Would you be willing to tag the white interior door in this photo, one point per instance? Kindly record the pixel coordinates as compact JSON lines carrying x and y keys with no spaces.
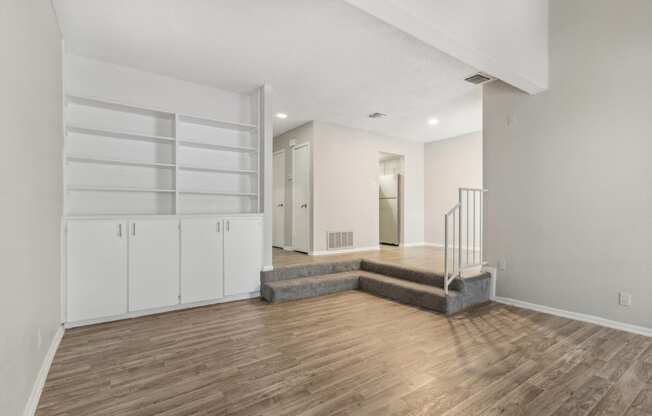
{"x":278,"y":230}
{"x":301,"y":198}
{"x":153,"y":264}
{"x":243,"y":243}
{"x":202,"y":276}
{"x":96,"y":261}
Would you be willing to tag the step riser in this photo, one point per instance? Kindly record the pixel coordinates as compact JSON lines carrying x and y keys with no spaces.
{"x":402,"y":295}
{"x":318,"y":269}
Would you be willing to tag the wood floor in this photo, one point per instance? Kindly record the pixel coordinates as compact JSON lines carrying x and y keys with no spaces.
{"x":431,"y":258}
{"x":349,"y":354}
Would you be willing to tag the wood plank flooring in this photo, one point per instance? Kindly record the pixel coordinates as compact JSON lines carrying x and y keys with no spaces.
{"x":349,"y":354}
{"x":431,"y":258}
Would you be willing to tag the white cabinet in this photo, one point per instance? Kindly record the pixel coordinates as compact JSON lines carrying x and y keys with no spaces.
{"x":96,"y":263}
{"x":242,"y":255}
{"x":202,"y":271}
{"x":153,"y":264}
{"x":127,"y":267}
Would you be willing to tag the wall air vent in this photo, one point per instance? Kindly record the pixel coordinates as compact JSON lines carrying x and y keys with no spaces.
{"x":336,"y":240}
{"x":377,"y":115}
{"x":478,"y":79}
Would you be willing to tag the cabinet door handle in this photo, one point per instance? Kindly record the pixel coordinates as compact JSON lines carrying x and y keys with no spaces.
{"x":228,"y":225}
{"x":218,"y":226}
{"x":120,"y":230}
{"x":133,"y":229}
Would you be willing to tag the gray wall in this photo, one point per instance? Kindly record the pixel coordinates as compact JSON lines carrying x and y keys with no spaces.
{"x":569,"y":171}
{"x":301,"y":134}
{"x":30,"y":116}
{"x":449,"y":165}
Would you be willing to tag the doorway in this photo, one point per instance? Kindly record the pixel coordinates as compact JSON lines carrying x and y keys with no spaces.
{"x":278,"y":228}
{"x":301,"y":196}
{"x":390,"y":198}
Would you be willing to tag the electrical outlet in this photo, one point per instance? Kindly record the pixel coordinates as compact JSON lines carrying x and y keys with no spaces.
{"x":502,"y":264}
{"x":625,"y":299}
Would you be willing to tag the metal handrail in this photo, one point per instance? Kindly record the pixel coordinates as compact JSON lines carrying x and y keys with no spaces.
{"x":466,"y":217}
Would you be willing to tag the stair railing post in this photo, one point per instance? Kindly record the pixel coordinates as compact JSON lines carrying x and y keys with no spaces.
{"x":446,"y":254}
{"x":459,"y":248}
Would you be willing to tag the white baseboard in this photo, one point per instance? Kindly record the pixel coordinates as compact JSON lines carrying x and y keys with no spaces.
{"x":592,"y":319}
{"x":406,"y":245}
{"x":288,"y":248}
{"x":35,"y":396}
{"x":426,"y":244}
{"x":155,"y":311}
{"x":268,"y":268}
{"x":344,"y":251}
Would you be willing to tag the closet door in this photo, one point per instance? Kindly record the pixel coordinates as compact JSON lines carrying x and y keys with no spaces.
{"x":153,"y":264}
{"x":96,"y":263}
{"x":243,"y":239}
{"x":201,"y":260}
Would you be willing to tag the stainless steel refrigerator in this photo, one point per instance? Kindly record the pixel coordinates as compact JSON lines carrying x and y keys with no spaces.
{"x":390,"y":206}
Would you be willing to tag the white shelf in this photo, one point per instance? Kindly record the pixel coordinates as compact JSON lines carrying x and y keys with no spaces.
{"x":117,"y":106}
{"x":218,"y":193}
{"x":87,"y":159}
{"x":217,"y":170}
{"x":230,"y":125}
{"x":117,"y":189}
{"x":119,"y":134}
{"x":223,"y":147}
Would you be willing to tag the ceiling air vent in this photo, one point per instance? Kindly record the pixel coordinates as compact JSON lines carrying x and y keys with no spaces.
{"x":377,"y":115}
{"x":478,"y":79}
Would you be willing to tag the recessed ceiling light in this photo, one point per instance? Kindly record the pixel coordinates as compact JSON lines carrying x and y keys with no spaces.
{"x":281,"y":116}
{"x":433,"y":121}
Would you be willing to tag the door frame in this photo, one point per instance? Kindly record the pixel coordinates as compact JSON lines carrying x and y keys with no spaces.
{"x":294,"y":195}
{"x":285,"y":160}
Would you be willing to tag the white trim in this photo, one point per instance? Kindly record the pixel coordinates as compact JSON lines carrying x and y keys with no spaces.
{"x":421,"y":244}
{"x":37,"y":389}
{"x":640,"y":330}
{"x":146,"y":312}
{"x":268,"y":268}
{"x":344,"y":251}
{"x":288,"y":248}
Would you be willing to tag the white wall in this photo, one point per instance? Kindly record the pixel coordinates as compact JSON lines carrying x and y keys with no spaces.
{"x":449,"y":165}
{"x":103,"y":80}
{"x":345,"y":175}
{"x":31,"y":194}
{"x":569,"y":172}
{"x":300,"y":135}
{"x":507,"y":38}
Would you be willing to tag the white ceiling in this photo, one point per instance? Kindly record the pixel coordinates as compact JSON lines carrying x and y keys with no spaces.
{"x":325,"y":60}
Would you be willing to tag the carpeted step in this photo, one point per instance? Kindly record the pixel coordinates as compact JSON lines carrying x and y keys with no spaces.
{"x":411,"y":274}
{"x":307,"y":270}
{"x":408,"y":292}
{"x":308,"y":287}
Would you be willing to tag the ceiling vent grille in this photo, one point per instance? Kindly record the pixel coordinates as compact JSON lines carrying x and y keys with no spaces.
{"x":337,"y":240}
{"x":377,"y":115}
{"x":478,"y":79}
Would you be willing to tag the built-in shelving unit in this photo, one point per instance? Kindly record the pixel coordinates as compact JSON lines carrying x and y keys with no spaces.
{"x":124,"y":159}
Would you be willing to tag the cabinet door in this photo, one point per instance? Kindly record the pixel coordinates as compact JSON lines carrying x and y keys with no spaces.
{"x":201,"y":260}
{"x":153,"y":264}
{"x":243,"y":238}
{"x":96,"y":263}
